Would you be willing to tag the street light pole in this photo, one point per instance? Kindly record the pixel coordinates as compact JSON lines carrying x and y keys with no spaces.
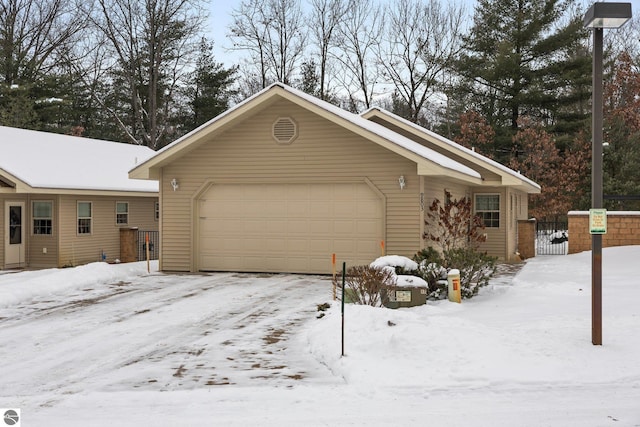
{"x":598,"y":17}
{"x":596,"y":188}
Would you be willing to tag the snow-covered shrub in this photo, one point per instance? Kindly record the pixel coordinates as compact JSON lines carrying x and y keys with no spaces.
{"x":431,"y":270}
{"x":363,"y":284}
{"x":476,"y":268}
{"x":399,"y":264}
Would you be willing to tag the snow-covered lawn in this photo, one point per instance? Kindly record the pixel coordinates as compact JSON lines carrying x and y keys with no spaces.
{"x":111,"y":345}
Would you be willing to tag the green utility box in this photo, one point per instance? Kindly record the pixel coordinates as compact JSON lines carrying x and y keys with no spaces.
{"x":404,"y":296}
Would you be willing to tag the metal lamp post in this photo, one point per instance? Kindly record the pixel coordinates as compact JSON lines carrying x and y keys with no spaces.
{"x":598,"y":17}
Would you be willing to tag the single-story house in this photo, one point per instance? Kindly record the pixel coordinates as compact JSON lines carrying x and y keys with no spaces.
{"x":63,"y":199}
{"x":283,"y":180}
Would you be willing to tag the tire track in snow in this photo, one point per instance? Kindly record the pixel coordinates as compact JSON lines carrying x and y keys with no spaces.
{"x":163,"y":333}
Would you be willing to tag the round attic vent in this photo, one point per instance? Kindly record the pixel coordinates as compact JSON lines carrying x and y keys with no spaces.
{"x":285,"y":130}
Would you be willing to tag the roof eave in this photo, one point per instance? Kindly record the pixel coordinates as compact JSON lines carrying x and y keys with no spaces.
{"x":507,"y":179}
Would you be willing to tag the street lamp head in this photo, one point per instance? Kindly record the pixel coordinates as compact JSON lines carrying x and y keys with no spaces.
{"x":607,"y":15}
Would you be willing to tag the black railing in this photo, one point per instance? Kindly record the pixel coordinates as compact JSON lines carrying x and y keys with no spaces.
{"x":552,"y":238}
{"x":154,"y":244}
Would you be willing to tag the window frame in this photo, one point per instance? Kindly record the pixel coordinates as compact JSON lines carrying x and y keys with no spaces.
{"x":488,"y":220}
{"x":35,"y":218}
{"x":124,"y":214}
{"x":89,"y":218}
{"x":156,"y":211}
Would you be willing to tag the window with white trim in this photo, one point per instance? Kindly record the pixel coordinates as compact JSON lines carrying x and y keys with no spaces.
{"x":488,"y":209}
{"x":42,"y":218}
{"x":122,"y":213}
{"x":84,"y":217}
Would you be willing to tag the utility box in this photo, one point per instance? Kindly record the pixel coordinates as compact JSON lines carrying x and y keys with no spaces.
{"x":404,"y":296}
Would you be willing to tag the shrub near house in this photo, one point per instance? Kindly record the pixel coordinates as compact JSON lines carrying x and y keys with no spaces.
{"x":456,"y":233}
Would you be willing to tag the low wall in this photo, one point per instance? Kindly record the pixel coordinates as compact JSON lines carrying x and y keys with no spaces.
{"x":527,"y":238}
{"x":623,"y":228}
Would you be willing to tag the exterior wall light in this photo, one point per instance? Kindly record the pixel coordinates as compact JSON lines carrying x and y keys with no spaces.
{"x":402,"y":182}
{"x":174,"y":184}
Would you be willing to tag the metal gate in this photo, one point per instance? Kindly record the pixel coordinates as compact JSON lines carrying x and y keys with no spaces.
{"x":154,"y":238}
{"x":552,"y":238}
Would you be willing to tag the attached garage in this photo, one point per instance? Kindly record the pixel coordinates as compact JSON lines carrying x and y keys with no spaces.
{"x":283,"y":180}
{"x":288,"y":227}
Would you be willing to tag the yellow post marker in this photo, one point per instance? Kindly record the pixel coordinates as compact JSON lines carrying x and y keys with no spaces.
{"x":381,"y":247}
{"x":146,"y":245}
{"x":333,"y":263}
{"x":453,"y":280}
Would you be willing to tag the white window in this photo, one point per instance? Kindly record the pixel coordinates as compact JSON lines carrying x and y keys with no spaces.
{"x":122,"y":213}
{"x":84,"y":218}
{"x":488,"y":209}
{"x":42,"y":218}
{"x":156,"y":213}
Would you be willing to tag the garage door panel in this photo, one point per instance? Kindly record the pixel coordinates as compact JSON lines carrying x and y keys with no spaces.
{"x":276,"y":227}
{"x":320,"y":246}
{"x":368,"y":228}
{"x":320,"y":227}
{"x":288,"y":227}
{"x":297,"y":227}
{"x":344,"y":227}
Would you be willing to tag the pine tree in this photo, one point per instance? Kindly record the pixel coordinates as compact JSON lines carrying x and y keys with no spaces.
{"x":521,"y":58}
{"x":211,"y":88}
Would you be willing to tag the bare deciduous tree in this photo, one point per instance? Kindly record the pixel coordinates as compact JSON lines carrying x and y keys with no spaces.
{"x":152,"y":42}
{"x":359,"y":36}
{"x":32,"y":33}
{"x":420,"y":39}
{"x":274,"y":33}
{"x":326,"y":17}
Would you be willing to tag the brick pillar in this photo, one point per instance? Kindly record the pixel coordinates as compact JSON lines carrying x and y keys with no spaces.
{"x":128,"y":244}
{"x":527,"y":238}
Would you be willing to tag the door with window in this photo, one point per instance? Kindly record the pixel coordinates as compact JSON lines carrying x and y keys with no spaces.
{"x":14,"y":245}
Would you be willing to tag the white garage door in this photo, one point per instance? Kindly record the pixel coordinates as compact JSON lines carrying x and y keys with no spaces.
{"x":288,"y":227}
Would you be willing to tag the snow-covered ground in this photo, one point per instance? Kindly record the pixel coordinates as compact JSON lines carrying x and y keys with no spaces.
{"x":111,"y":345}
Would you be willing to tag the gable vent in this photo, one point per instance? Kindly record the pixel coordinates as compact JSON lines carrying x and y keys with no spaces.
{"x":285,"y":130}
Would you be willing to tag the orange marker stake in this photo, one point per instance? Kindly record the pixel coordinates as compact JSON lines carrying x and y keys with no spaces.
{"x":333,"y":263}
{"x":382,"y":247}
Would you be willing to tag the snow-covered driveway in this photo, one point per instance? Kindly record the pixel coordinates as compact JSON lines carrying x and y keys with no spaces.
{"x":161,"y":332}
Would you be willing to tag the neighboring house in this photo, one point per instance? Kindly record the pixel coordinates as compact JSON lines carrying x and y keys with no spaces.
{"x":63,"y":199}
{"x":282,"y":181}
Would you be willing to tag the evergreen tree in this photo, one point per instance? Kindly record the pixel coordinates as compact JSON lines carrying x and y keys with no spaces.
{"x":522,"y":58}
{"x":309,"y":78}
{"x":211,"y":88}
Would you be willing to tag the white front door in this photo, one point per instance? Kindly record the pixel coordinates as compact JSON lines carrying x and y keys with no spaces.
{"x":14,"y":247}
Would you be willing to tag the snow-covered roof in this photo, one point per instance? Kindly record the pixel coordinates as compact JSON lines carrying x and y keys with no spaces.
{"x":394,"y":140}
{"x":36,"y":161}
{"x":452,"y":146}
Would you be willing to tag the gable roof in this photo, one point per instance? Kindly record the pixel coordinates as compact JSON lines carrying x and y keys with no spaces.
{"x":491,"y":168}
{"x":43,"y":162}
{"x":428,"y":161}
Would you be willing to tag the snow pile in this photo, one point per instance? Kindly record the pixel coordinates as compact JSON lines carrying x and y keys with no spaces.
{"x":533,"y":332}
{"x":23,"y":286}
{"x":390,"y":262}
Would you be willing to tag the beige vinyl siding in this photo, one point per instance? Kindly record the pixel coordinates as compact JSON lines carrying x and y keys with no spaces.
{"x":39,"y":243}
{"x":78,"y":249}
{"x":496,"y":244}
{"x":322,"y":152}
